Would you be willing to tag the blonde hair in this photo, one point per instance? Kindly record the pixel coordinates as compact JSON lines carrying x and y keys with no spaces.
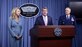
{"x":13,"y":13}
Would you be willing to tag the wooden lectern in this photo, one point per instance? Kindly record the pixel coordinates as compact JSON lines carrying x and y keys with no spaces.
{"x":43,"y":36}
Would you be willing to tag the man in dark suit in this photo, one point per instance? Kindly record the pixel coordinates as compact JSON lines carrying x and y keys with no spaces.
{"x":44,"y":19}
{"x":67,"y":19}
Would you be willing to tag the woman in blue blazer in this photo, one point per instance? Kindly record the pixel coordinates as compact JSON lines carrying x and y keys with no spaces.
{"x":15,"y":25}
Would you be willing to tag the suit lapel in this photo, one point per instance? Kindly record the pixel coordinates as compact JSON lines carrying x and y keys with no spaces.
{"x":42,"y":20}
{"x":48,"y":21}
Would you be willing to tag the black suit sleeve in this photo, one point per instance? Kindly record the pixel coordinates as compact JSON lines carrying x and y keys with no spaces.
{"x":36,"y":22}
{"x":60,"y":21}
{"x":50,"y":22}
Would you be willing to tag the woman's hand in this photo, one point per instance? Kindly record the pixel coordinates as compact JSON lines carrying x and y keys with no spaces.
{"x":18,"y":37}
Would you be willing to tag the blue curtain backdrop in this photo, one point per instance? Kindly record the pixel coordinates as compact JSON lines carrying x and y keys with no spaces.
{"x":55,"y":8}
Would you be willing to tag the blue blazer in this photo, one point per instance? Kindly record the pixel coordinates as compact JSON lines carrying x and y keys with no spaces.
{"x":15,"y":28}
{"x":64,"y":21}
{"x":39,"y":21}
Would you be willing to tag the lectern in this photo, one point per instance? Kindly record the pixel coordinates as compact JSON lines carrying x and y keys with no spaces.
{"x":44,"y":36}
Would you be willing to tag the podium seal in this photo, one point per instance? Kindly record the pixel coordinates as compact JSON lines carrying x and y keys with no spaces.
{"x":58,"y":31}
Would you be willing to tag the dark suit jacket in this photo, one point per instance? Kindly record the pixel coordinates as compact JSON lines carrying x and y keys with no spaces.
{"x":64,"y":21}
{"x":39,"y":21}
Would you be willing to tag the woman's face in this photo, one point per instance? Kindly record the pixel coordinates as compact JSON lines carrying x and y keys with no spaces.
{"x":18,"y":12}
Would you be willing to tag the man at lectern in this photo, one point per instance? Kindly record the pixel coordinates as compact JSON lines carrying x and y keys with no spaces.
{"x":67,"y":19}
{"x":44,"y":19}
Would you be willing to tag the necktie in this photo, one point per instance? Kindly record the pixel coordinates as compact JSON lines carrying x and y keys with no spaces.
{"x":68,"y":17}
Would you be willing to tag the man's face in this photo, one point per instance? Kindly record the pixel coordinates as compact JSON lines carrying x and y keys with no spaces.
{"x":44,"y":12}
{"x":67,"y":11}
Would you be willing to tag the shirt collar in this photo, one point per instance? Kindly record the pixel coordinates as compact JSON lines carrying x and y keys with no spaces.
{"x":44,"y":16}
{"x":67,"y":15}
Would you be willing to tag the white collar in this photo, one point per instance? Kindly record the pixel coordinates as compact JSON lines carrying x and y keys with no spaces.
{"x":67,"y":15}
{"x":44,"y":16}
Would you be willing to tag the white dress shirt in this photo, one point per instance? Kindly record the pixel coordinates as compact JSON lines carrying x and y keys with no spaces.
{"x":45,"y":18}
